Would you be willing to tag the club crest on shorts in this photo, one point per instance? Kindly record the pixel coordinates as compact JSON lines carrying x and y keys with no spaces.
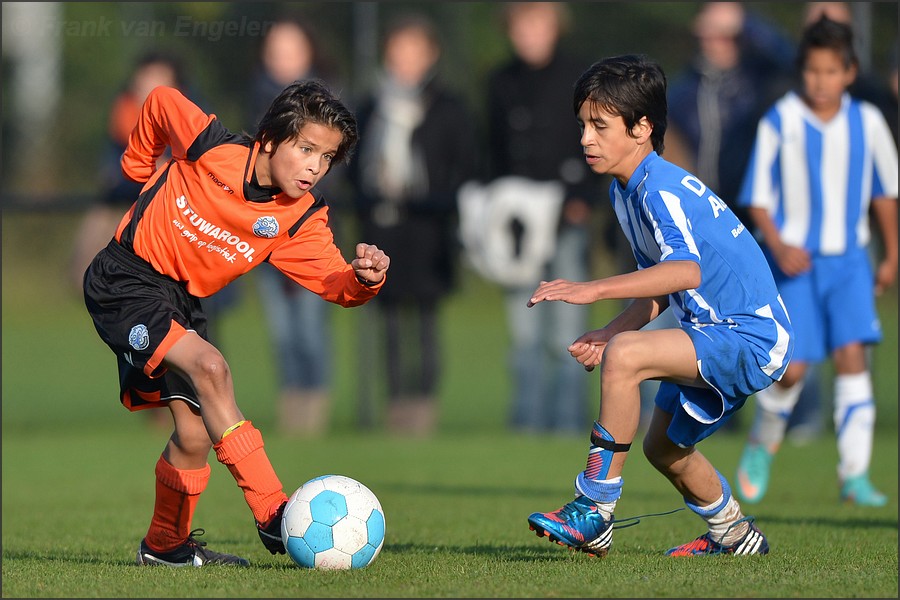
{"x":265,"y":227}
{"x":139,"y":337}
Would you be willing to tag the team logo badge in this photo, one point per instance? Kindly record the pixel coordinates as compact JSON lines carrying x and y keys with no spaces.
{"x":139,"y":337}
{"x":265,"y":227}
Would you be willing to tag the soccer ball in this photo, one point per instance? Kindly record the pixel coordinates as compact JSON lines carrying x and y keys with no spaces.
{"x":333,"y":522}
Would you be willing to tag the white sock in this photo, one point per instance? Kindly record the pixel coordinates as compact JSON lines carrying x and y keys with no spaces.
{"x":720,"y":522}
{"x":606,"y":509}
{"x":607,"y":489}
{"x":854,"y":423}
{"x":774,"y":406}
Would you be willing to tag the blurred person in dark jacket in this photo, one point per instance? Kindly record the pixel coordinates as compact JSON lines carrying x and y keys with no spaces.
{"x":716,"y":100}
{"x":532,"y":135}
{"x":417,"y":145}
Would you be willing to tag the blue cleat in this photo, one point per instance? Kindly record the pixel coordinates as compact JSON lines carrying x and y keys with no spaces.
{"x":753,"y":473}
{"x":753,"y":542}
{"x":578,"y":525}
{"x":859,"y":490}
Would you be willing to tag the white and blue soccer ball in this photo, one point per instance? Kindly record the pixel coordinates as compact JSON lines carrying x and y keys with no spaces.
{"x":333,"y":522}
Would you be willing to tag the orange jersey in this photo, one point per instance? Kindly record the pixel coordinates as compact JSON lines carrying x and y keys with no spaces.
{"x":202,"y":220}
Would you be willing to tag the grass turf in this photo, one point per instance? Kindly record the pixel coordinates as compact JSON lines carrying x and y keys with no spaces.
{"x":78,"y":490}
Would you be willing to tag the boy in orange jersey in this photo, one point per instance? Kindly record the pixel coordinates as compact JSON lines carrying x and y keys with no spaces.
{"x":222,"y":205}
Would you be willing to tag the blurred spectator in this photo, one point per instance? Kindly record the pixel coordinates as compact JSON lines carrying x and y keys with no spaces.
{"x":807,"y":421}
{"x":533,"y":138}
{"x":868,"y":85}
{"x":823,"y":161}
{"x":417,"y":145}
{"x":118,"y":193}
{"x":717,"y":99}
{"x":298,"y":319}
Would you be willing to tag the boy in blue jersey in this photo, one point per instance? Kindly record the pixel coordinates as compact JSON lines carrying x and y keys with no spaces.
{"x":823,"y":161}
{"x":733,"y":336}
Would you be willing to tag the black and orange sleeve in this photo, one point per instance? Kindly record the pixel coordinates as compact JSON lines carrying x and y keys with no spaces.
{"x":312,"y":259}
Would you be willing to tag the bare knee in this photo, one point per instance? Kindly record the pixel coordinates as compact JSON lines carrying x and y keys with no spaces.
{"x":209,"y":372}
{"x":621,"y":358}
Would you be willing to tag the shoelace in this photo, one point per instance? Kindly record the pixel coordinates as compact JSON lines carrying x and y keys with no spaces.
{"x":574,"y":509}
{"x":748,"y":520}
{"x":193,"y":535}
{"x":629,"y":521}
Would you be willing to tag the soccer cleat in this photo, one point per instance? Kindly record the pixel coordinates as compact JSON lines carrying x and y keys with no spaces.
{"x":579,"y":525}
{"x":192,"y":553}
{"x":270,"y":533}
{"x":753,"y":542}
{"x":859,"y":490}
{"x":753,"y":473}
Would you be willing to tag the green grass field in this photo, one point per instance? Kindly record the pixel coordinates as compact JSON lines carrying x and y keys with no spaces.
{"x":77,"y":470}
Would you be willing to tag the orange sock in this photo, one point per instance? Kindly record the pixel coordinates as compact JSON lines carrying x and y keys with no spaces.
{"x":242,"y":452}
{"x":177,"y":493}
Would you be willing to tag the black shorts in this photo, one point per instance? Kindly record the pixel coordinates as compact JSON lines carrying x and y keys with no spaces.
{"x":140,"y":314}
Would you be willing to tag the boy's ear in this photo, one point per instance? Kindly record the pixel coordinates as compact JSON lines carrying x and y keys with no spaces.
{"x":642,"y":130}
{"x":852,"y":73}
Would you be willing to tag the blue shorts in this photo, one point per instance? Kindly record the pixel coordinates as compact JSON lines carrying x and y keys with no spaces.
{"x":732,"y":360}
{"x":831,"y":305}
{"x":685,"y":430}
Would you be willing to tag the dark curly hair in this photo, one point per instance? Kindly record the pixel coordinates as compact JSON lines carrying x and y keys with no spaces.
{"x":308,"y":101}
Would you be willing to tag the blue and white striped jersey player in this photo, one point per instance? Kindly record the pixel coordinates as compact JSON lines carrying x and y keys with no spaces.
{"x":823,"y":162}
{"x":733,"y":337}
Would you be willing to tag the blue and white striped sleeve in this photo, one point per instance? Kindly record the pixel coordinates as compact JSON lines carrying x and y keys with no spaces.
{"x":760,"y":187}
{"x":884,"y":153}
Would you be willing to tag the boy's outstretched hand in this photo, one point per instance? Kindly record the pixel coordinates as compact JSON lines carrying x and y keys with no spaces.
{"x":573,"y":292}
{"x":370,"y":263}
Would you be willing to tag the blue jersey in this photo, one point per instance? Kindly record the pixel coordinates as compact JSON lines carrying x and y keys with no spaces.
{"x":669,"y":214}
{"x":817,"y":179}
